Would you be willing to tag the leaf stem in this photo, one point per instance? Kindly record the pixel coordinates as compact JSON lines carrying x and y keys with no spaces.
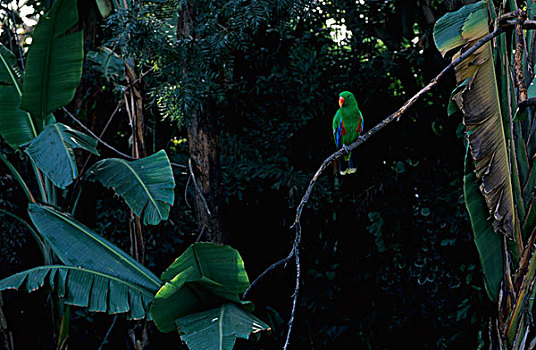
{"x":18,"y":177}
{"x":40,"y":243}
{"x":105,"y":339}
{"x":40,"y":182}
{"x":76,"y":201}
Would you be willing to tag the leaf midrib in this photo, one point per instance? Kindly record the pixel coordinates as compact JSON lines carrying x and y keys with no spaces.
{"x":96,"y":238}
{"x":220,"y":327}
{"x":150,"y":197}
{"x":63,"y":143}
{"x":8,"y":69}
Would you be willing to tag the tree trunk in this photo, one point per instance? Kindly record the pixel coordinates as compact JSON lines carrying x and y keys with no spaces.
{"x":134,"y":106}
{"x":206,"y":168}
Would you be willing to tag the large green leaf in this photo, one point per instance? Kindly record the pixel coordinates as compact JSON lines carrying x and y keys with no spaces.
{"x":54,"y":64}
{"x":488,"y":243}
{"x":108,"y":63}
{"x":86,"y":288}
{"x":146,"y":184}
{"x":221,"y":263}
{"x":52,"y":152}
{"x":204,"y":276}
{"x":458,"y":28}
{"x":217,"y":329}
{"x":16,"y":125}
{"x":479,"y":101}
{"x":105,"y":7}
{"x":77,"y":245}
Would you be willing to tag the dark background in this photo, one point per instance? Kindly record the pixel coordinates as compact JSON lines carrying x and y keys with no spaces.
{"x":388,"y":259}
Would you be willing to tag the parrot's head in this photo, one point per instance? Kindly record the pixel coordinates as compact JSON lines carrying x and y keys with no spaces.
{"x":346,"y":98}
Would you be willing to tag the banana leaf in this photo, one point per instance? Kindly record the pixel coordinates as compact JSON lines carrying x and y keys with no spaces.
{"x":105,"y":7}
{"x":218,"y":328}
{"x":203,"y":277}
{"x":147,"y":184}
{"x":52,"y":152}
{"x":16,"y":125}
{"x":108,"y":63}
{"x":77,"y":245}
{"x":488,"y":243}
{"x":54,"y":63}
{"x":479,"y":102}
{"x":83,"y":287}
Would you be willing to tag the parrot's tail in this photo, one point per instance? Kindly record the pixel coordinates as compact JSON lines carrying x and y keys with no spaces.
{"x":343,"y":166}
{"x":347,"y":166}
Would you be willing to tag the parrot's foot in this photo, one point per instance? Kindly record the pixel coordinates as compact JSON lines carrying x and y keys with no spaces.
{"x":361,"y":138}
{"x":346,"y":149}
{"x":350,"y":171}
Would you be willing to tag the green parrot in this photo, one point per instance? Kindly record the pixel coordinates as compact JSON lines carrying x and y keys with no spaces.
{"x":347,"y":128}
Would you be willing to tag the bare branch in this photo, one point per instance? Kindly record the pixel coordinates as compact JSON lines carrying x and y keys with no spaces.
{"x":268,"y":270}
{"x":530,"y":102}
{"x":297,"y":288}
{"x":525,"y":24}
{"x":391,"y":118}
{"x":518,"y":57}
{"x":394,"y":116}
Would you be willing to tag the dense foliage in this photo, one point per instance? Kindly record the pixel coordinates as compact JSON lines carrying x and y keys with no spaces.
{"x":386,"y":251}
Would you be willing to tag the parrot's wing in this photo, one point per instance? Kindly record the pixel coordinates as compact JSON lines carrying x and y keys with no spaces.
{"x":337,"y":129}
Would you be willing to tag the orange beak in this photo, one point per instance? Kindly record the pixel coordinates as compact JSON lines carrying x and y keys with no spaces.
{"x":341,"y":101}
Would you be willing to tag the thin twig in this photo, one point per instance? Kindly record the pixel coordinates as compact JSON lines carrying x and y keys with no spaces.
{"x":105,"y":339}
{"x":186,"y":192}
{"x":76,"y":183}
{"x":343,"y":151}
{"x":268,"y":270}
{"x":200,"y":235}
{"x":88,"y":130}
{"x":142,"y":76}
{"x":111,"y":117}
{"x":197,"y":187}
{"x":106,"y":144}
